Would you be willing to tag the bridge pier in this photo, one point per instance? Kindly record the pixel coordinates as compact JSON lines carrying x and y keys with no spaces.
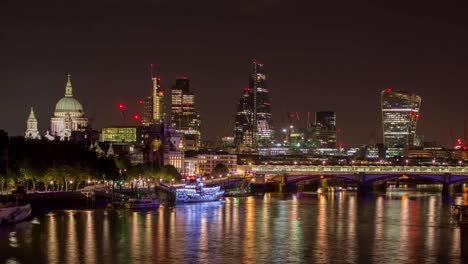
{"x":446,"y":189}
{"x":364,"y":188}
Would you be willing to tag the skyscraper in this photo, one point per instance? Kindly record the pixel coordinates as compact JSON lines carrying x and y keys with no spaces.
{"x":254,"y":124}
{"x":243,"y":133}
{"x":326,"y":120}
{"x":147,"y":114}
{"x":400,"y":113}
{"x":184,"y":118}
{"x":158,"y":100}
{"x":153,"y":105}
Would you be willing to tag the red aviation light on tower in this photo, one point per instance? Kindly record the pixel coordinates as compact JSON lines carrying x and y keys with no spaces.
{"x":388,"y":90}
{"x":140,"y":101}
{"x":121,"y":106}
{"x":136,"y":117}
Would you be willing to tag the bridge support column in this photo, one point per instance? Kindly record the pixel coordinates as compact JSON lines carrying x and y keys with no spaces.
{"x":364,"y":186}
{"x":282,"y":184}
{"x":446,"y":188}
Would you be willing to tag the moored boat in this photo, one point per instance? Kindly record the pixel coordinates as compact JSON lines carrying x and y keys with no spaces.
{"x":12,"y":213}
{"x":142,"y":203}
{"x":198,"y":193}
{"x":460,"y":213}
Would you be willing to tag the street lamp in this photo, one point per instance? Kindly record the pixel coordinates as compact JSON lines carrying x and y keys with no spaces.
{"x":433,"y":162}
{"x":460,"y":162}
{"x":406,"y":161}
{"x":295,"y":162}
{"x":51,"y":183}
{"x":324,"y":162}
{"x":353,"y":161}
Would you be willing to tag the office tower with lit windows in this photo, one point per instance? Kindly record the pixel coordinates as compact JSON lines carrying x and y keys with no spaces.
{"x":326,"y":122}
{"x":400,"y":113}
{"x":254,"y":124}
{"x":184,"y":118}
{"x":153,"y":105}
{"x":147,"y":114}
{"x":243,"y":133}
{"x":158,"y":100}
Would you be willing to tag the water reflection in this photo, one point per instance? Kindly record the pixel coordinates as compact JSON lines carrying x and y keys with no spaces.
{"x":72,"y":253}
{"x":276,"y":228}
{"x":52,"y":251}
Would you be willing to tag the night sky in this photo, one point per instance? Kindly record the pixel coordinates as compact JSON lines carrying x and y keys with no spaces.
{"x":318,"y":55}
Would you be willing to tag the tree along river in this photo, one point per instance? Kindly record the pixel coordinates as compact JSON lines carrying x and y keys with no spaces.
{"x":274,"y":228}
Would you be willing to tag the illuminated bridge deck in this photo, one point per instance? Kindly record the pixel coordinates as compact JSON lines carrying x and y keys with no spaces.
{"x":308,"y":169}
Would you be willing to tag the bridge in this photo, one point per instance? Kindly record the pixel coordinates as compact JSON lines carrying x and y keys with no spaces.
{"x":365,"y":176}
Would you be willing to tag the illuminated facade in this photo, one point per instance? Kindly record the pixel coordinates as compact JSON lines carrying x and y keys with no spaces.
{"x":184,"y":118}
{"x":400,"y":113}
{"x":31,"y":127}
{"x":207,"y":162}
{"x":147,"y":114}
{"x":119,"y":134}
{"x":158,"y":100}
{"x":175,"y":159}
{"x":254,"y":124}
{"x":243,"y":133}
{"x":68,"y":115}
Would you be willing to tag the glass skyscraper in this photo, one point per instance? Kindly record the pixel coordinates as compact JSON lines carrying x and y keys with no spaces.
{"x":184,"y":118}
{"x":254,"y":124}
{"x":400,"y":113}
{"x":326,"y":120}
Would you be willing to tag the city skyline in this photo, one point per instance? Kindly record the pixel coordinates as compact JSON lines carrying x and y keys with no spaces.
{"x":341,"y":63}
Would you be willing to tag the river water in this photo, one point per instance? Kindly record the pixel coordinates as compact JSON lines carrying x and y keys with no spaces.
{"x":275,"y":228}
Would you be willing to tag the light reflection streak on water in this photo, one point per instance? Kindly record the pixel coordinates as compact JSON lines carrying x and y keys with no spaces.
{"x":235,"y":223}
{"x":90,"y":246}
{"x":431,"y":225}
{"x":148,"y":235}
{"x":249,"y":232}
{"x":72,"y":245}
{"x":352,"y":222}
{"x":171,"y":234}
{"x":340,"y":217}
{"x":455,"y":250}
{"x":295,"y":228}
{"x":134,"y":244}
{"x":161,"y":237}
{"x":106,"y":237}
{"x":404,"y":222}
{"x":264,"y":224}
{"x":379,"y":234}
{"x":203,"y":243}
{"x":52,"y":245}
{"x":321,"y":249}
